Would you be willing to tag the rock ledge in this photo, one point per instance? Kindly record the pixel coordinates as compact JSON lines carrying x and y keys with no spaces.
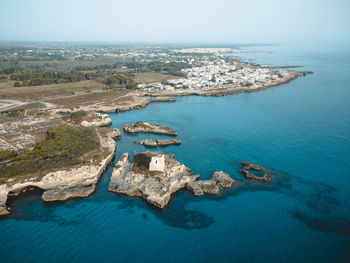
{"x":212,"y":186}
{"x":146,"y":127}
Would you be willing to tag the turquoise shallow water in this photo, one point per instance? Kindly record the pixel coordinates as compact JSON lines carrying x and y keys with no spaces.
{"x":299,"y":130}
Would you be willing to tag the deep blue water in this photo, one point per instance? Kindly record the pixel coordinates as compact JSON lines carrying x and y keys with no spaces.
{"x":299,"y":130}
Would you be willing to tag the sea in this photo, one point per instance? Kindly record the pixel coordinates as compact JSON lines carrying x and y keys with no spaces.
{"x":299,"y":131}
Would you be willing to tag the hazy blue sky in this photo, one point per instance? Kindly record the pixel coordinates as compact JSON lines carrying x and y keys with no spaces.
{"x":243,"y":21}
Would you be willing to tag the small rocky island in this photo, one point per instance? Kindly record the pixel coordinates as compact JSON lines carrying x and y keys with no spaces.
{"x":247,"y":167}
{"x":158,"y":143}
{"x":155,"y":176}
{"x":146,"y":127}
{"x":212,"y":186}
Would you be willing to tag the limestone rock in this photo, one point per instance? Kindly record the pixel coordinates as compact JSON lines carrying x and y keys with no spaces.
{"x":246,"y":167}
{"x":202,"y":187}
{"x":135,"y":179}
{"x":116,"y":134}
{"x":251,"y":166}
{"x":62,"y":193}
{"x":159,"y":143}
{"x":252,"y":176}
{"x":212,"y":186}
{"x":146,"y":127}
{"x":66,"y":183}
{"x":222,"y":179}
{"x":3,"y":211}
{"x":100,"y":120}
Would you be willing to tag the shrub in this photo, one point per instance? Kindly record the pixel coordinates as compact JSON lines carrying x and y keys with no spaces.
{"x":78,"y":114}
{"x":6,"y":154}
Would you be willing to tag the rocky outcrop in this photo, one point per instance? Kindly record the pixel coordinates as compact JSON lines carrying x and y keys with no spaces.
{"x":156,"y":187}
{"x":252,"y":166}
{"x":159,"y":143}
{"x":64,"y":184}
{"x":100,"y":120}
{"x":116,"y":134}
{"x":246,"y":167}
{"x":61,"y":194}
{"x":3,"y":199}
{"x":146,"y":127}
{"x":212,"y":186}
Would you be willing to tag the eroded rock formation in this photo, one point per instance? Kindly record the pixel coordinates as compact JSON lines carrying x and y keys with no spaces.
{"x":156,"y":187}
{"x":146,"y":127}
{"x":212,"y":186}
{"x":246,"y":167}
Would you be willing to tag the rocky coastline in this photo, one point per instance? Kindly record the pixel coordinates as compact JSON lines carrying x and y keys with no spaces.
{"x":64,"y":183}
{"x":80,"y":181}
{"x":156,"y":176}
{"x":231,"y":90}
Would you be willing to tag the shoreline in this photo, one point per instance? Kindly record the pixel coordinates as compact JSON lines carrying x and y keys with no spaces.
{"x":81,"y":187}
{"x":231,"y":90}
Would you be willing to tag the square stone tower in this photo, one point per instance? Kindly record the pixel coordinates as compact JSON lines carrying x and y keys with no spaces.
{"x":157,"y":163}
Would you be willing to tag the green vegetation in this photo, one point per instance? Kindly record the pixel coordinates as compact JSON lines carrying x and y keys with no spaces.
{"x":44,"y":78}
{"x":111,"y":65}
{"x":12,"y":113}
{"x":120,"y":78}
{"x":6,"y":154}
{"x":172,"y":68}
{"x":78,"y":114}
{"x":62,"y":147}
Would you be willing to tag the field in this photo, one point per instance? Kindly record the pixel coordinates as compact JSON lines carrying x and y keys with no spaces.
{"x":7,"y":91}
{"x":149,"y":77}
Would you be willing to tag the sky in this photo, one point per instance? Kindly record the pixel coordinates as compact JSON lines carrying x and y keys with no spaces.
{"x":177,"y":21}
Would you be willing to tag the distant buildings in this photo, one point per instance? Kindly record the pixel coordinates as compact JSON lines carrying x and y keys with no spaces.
{"x":214,"y":72}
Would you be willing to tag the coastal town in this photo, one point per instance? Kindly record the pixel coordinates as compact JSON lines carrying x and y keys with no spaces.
{"x":218,"y":73}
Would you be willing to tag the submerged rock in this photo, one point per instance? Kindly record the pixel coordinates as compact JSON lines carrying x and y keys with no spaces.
{"x":146,"y":127}
{"x":61,"y":194}
{"x":212,"y":186}
{"x":251,"y":166}
{"x":156,"y":143}
{"x":153,"y":176}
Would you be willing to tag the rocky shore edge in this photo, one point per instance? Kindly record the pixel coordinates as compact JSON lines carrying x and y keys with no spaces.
{"x":68,"y":183}
{"x":231,"y":90}
{"x":81,"y":181}
{"x":140,"y":99}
